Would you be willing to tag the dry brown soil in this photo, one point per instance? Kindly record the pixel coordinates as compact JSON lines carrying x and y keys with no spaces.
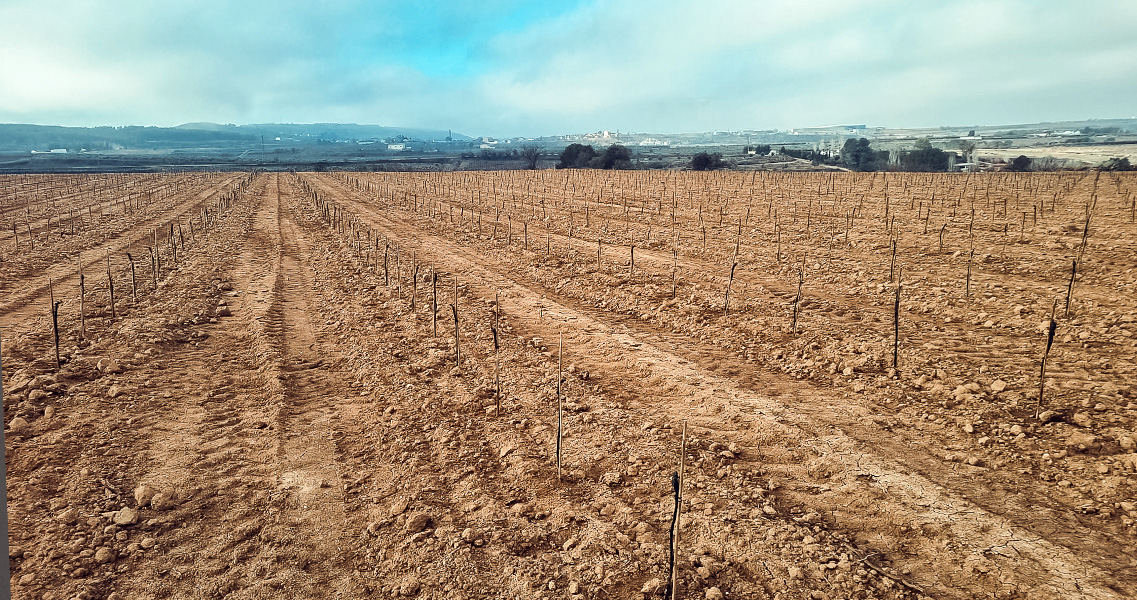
{"x":281,"y":411}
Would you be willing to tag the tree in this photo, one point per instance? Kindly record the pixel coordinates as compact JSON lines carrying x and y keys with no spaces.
{"x":616,"y":157}
{"x":576,"y":156}
{"x":705,"y":161}
{"x":1117,"y":164}
{"x":925,"y":159}
{"x":858,"y":155}
{"x":1022,"y":163}
{"x":923,"y":143}
{"x":530,"y":155}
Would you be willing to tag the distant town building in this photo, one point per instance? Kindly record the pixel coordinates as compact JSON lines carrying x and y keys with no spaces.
{"x":397,"y":147}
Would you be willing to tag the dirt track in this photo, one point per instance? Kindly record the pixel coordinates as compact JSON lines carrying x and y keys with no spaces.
{"x":319,"y":440}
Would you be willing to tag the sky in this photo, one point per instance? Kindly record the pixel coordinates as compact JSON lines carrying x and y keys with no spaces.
{"x":531,"y":68}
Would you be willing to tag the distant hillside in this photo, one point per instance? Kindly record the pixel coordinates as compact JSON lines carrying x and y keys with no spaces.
{"x":331,"y":131}
{"x":26,"y":138}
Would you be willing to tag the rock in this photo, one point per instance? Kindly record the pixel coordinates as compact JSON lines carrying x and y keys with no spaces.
{"x":37,"y":395}
{"x":1047,"y":416}
{"x":417,"y":522}
{"x":69,"y":516}
{"x":104,"y":555}
{"x":1016,"y":429}
{"x":398,"y":508}
{"x":735,"y":448}
{"x":968,"y":428}
{"x":18,"y":426}
{"x":573,"y":588}
{"x":611,"y":478}
{"x":409,"y":586}
{"x":49,"y":412}
{"x":1128,"y":443}
{"x":164,"y":500}
{"x":143,"y":494}
{"x":1082,"y":419}
{"x":652,"y":587}
{"x":19,"y":382}
{"x":796,"y":573}
{"x":998,"y":385}
{"x":713,"y":593}
{"x":1081,"y":441}
{"x":126,"y":516}
{"x":114,"y":391}
{"x":148,"y":543}
{"x":224,"y":311}
{"x":469,"y":535}
{"x":80,"y":572}
{"x":108,"y":365}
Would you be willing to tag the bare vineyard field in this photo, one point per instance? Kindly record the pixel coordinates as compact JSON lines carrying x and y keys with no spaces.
{"x":325,"y":385}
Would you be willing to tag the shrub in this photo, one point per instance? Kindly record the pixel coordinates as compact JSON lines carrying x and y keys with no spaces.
{"x":1021,"y":163}
{"x":576,"y":156}
{"x":705,"y":161}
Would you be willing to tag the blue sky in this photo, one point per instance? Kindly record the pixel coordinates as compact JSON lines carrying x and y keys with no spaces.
{"x":507,"y":68}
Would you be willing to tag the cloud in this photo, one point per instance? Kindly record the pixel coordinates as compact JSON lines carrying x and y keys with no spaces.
{"x":520,"y":68}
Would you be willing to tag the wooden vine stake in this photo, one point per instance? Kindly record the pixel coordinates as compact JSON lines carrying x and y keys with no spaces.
{"x":726,"y":301}
{"x":414,"y":284}
{"x":133,"y":279}
{"x":386,"y":272}
{"x":896,"y":321}
{"x":82,"y":301}
{"x":560,"y":409}
{"x":1053,"y":326}
{"x":632,"y":263}
{"x":1070,"y":286}
{"x":967,"y":281}
{"x":797,"y":299}
{"x":677,"y":492}
{"x":434,"y":300}
{"x":497,"y":364}
{"x":54,"y":321}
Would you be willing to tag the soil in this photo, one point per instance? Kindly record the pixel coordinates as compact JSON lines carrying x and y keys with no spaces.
{"x":344,"y":385}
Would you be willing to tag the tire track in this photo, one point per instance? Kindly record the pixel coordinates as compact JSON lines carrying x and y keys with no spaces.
{"x":307,"y":402}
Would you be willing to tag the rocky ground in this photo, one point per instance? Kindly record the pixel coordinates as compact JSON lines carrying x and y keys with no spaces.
{"x":290,"y":411}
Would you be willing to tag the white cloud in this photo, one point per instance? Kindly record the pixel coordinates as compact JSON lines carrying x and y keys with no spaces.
{"x":645,"y":66}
